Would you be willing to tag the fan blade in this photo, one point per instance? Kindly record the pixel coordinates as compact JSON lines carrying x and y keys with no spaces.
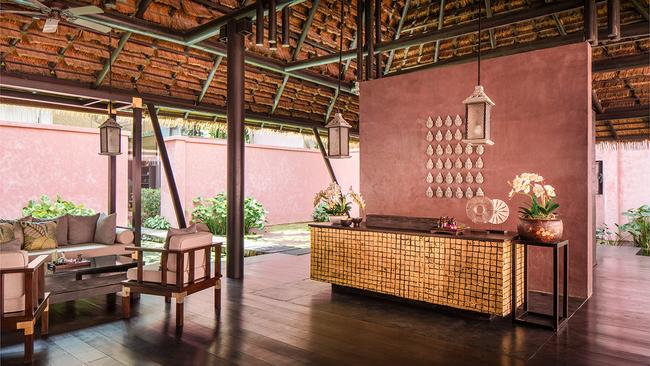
{"x":38,"y":4}
{"x":83,"y":10}
{"x":91,"y":25}
{"x":51,"y":25}
{"x":21,"y":12}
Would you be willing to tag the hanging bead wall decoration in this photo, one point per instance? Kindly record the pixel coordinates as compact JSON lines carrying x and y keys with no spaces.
{"x":468,"y":164}
{"x":458,"y":164}
{"x":448,"y":121}
{"x":458,"y":135}
{"x":449,"y":178}
{"x":439,"y":122}
{"x":480,"y":149}
{"x":479,"y":163}
{"x":448,"y":150}
{"x":468,"y":149}
{"x":429,"y":192}
{"x":448,"y":193}
{"x":438,"y":136}
{"x":458,"y":121}
{"x":479,"y":178}
{"x":429,"y":164}
{"x":429,"y":136}
{"x":429,"y":178}
{"x":479,"y":192}
{"x":430,"y":150}
{"x":448,"y":164}
{"x":448,"y":136}
{"x":458,"y":149}
{"x":459,"y":193}
{"x":469,"y":193}
{"x":439,"y":192}
{"x":429,"y":122}
{"x":439,"y":178}
{"x":439,"y":150}
{"x":469,"y":178}
{"x":459,"y":178}
{"x":439,"y":164}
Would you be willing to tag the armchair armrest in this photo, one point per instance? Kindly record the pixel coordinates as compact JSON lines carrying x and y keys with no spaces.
{"x":38,"y":262}
{"x":142,"y":249}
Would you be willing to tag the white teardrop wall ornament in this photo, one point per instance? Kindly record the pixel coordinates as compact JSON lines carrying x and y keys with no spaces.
{"x":458,"y":164}
{"x":429,"y":192}
{"x":439,"y":122}
{"x":438,"y":136}
{"x":448,"y":193}
{"x":448,"y":164}
{"x":479,"y":163}
{"x":469,"y":149}
{"x":458,"y":135}
{"x":468,"y":164}
{"x":448,"y":121}
{"x":479,"y":178}
{"x":439,"y":192}
{"x":479,"y":192}
{"x":459,"y":193}
{"x":469,"y":193}
{"x":458,"y":149}
{"x":439,"y":164}
{"x":449,"y":178}
{"x":429,"y":122}
{"x":429,"y":136}
{"x":429,"y":164}
{"x":439,"y":178}
{"x":469,"y":178}
{"x":429,"y":178}
{"x":430,"y":150}
{"x":459,"y":178}
{"x":458,"y":121}
{"x":480,"y":149}
{"x":449,"y":150}
{"x":448,"y":136}
{"x":439,"y":150}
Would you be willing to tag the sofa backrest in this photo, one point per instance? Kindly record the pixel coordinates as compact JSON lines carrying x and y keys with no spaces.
{"x":188,"y":241}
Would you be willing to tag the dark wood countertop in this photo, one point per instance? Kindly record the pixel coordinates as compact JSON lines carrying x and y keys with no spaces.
{"x":467,"y":235}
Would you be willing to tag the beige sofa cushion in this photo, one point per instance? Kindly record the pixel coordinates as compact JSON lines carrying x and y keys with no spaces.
{"x":188,"y":241}
{"x":81,"y":229}
{"x":105,"y":231}
{"x":11,"y":236}
{"x":152,"y":273}
{"x":124,"y":236}
{"x":88,"y":250}
{"x":61,"y":228}
{"x":14,"y":283}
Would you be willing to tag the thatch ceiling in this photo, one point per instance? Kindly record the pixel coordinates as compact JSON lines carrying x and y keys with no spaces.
{"x":158,"y":67}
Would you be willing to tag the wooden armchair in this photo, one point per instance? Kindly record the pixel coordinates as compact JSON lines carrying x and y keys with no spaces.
{"x":184,"y":269}
{"x":22,"y":296}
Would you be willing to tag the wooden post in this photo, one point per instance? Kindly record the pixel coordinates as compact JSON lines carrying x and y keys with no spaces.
{"x":323,"y":153}
{"x":589,"y":14}
{"x":378,"y":68}
{"x":359,"y":40}
{"x":112,"y":176}
{"x":370,"y":44}
{"x":136,"y":174}
{"x":169,"y":173}
{"x":614,"y":19}
{"x":235,"y":169}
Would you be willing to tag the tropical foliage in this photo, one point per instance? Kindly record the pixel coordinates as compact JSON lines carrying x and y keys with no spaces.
{"x":46,"y":208}
{"x":150,"y":203}
{"x":335,"y":202}
{"x":213,"y":211}
{"x":638,"y":227}
{"x":156,"y":222}
{"x":320,"y":214}
{"x":542,"y":196}
{"x":606,"y":236}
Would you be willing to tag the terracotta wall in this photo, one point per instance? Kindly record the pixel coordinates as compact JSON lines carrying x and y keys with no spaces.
{"x":56,"y":160}
{"x":284,"y":180}
{"x":626,"y":175}
{"x":541,"y":123}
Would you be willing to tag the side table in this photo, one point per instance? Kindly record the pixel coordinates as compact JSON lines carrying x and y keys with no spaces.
{"x":554,"y":320}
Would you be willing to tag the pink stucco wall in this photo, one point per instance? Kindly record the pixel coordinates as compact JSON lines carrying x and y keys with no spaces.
{"x":626,"y":183}
{"x":57,"y":160}
{"x":284,"y":180}
{"x":541,"y":123}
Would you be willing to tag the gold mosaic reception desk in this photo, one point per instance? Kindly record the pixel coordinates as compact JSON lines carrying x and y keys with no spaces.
{"x":469,"y":272}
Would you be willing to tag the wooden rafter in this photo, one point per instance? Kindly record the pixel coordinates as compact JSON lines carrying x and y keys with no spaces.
{"x":111,"y":59}
{"x":398,"y":31}
{"x":208,"y":81}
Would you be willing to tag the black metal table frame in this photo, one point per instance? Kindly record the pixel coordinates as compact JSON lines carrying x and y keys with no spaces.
{"x":556,"y":321}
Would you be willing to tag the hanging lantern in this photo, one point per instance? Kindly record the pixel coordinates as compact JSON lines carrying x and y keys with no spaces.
{"x":338,"y":144}
{"x":110,"y":138}
{"x":477,"y":117}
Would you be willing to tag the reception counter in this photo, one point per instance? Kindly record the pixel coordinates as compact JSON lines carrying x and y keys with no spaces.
{"x":469,"y":272}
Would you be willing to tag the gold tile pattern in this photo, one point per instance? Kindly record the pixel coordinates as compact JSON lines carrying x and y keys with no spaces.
{"x":466,"y":274}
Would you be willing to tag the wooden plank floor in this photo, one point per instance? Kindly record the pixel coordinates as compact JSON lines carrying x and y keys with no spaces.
{"x":277,"y":316}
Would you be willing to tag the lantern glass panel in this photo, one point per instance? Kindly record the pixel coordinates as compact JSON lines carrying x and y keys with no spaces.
{"x":345,"y":142}
{"x":114,"y":140}
{"x":334,"y":141}
{"x":476,"y":113}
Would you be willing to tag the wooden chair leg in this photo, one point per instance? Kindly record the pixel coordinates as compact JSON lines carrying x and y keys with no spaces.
{"x":28,"y":330}
{"x":45,"y":318}
{"x":126,"y":302}
{"x":180,"y":300}
{"x":217,"y":296}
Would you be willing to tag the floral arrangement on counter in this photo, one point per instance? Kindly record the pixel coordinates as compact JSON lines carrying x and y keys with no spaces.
{"x":336,"y":203}
{"x":542,"y":196}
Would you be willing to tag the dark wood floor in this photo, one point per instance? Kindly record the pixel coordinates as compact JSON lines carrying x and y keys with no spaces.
{"x":277,"y":316}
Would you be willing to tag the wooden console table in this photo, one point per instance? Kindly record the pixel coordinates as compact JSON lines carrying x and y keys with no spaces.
{"x":554,"y":320}
{"x":469,"y":272}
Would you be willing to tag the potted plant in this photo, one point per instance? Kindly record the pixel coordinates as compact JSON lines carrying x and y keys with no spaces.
{"x":537,"y":222}
{"x":335,"y":202}
{"x":638,"y":226}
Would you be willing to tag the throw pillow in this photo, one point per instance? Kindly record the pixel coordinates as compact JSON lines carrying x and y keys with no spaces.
{"x":81,"y":229}
{"x":39,"y":235}
{"x":11,"y":235}
{"x":173,"y":232}
{"x":105,"y":232}
{"x":61,"y":228}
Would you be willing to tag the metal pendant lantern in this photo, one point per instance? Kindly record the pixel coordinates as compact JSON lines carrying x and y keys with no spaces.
{"x":338,"y":142}
{"x":478,"y":107}
{"x":338,"y":129}
{"x":110,"y":132}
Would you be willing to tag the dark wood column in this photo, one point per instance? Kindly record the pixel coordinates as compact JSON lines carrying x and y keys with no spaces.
{"x":169,"y":173}
{"x":360,"y":14}
{"x":112,"y":176}
{"x":136,"y":174}
{"x":370,"y":42}
{"x":377,"y":40}
{"x":236,"y":30}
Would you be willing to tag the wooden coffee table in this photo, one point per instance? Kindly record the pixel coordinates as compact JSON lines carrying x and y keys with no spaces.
{"x":104,"y":276}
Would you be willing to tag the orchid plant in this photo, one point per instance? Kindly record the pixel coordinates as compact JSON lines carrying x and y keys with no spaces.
{"x":542,"y":196}
{"x":335,"y":202}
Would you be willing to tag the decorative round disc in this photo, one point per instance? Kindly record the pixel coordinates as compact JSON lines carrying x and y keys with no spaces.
{"x":501,"y":212}
{"x":480,"y":210}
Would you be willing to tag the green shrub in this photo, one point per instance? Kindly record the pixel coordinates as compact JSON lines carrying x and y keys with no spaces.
{"x":150,"y":203}
{"x":320,"y":213}
{"x":156,"y":222}
{"x":638,"y":226}
{"x":45,"y":208}
{"x":213,"y":211}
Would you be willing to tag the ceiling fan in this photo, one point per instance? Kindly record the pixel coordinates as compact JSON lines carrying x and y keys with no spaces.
{"x":53,"y":15}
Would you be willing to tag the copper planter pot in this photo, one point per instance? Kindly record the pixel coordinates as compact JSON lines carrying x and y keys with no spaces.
{"x":545,"y":231}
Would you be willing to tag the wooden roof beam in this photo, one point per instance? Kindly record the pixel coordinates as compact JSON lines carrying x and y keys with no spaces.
{"x":638,"y":111}
{"x":599,"y":109}
{"x":400,"y":25}
{"x":621,"y":63}
{"x":488,"y":14}
{"x":642,"y":9}
{"x":143,"y":5}
{"x":208,"y":81}
{"x":111,"y":59}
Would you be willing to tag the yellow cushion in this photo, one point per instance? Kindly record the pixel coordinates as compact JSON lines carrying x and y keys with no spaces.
{"x":39,"y":235}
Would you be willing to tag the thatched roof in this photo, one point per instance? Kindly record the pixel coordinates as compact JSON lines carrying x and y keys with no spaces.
{"x":160,"y":67}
